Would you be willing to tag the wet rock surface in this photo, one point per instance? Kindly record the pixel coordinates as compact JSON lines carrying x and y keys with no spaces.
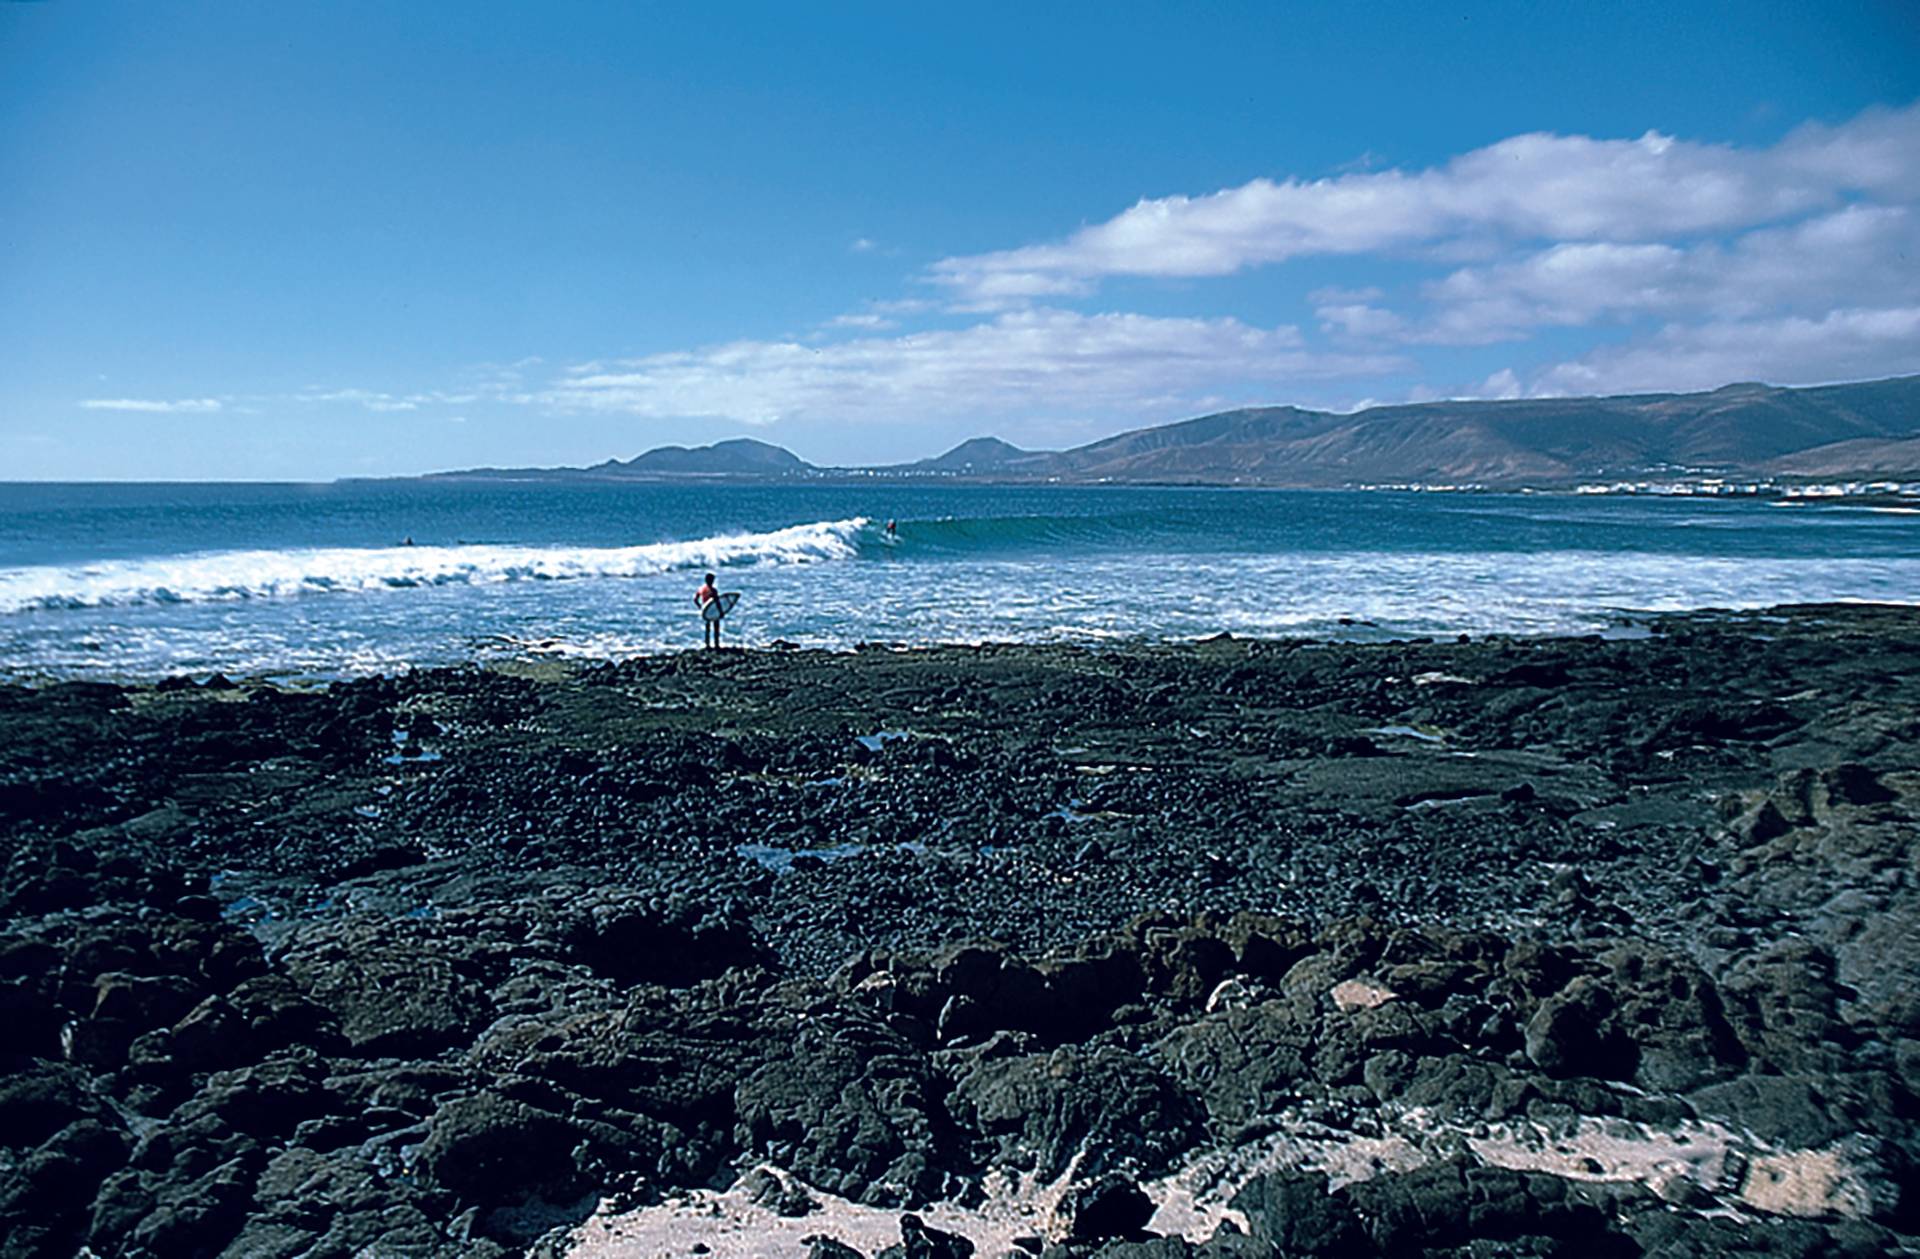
{"x":1245,"y":948}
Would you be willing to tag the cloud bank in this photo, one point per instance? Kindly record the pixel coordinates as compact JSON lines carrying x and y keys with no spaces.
{"x":157,"y":406}
{"x":1840,"y":345}
{"x":1529,"y":188}
{"x":1541,"y":264}
{"x":1691,"y":263}
{"x":1030,"y":362}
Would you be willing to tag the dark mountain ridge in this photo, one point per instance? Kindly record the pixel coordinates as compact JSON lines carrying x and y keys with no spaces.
{"x":738,"y":456}
{"x":1867,"y":428}
{"x":980,"y":454}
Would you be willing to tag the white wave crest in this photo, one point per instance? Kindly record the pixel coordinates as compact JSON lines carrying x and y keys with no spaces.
{"x":234,"y":575}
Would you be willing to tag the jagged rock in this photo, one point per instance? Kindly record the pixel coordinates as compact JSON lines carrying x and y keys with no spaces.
{"x":780,"y":1194}
{"x":489,"y":1149}
{"x":1672,"y":1013}
{"x":848,"y":1108}
{"x":310,"y":1202}
{"x":1182,"y":961}
{"x":1447,"y":1084}
{"x":47,"y":1197}
{"x":628,"y":940}
{"x":1791,"y":1110}
{"x":1446,"y":1205}
{"x":39,"y":1099}
{"x":1691,"y":1236}
{"x":675,"y":1070}
{"x":184,"y":1217}
{"x":141,"y":1000}
{"x":1243,"y":1063}
{"x":1111,"y":1205}
{"x":1573,"y":1033}
{"x":392,"y":991}
{"x":820,"y":1246}
{"x":979,"y":990}
{"x":1298,"y":1214}
{"x":267,"y":1101}
{"x":1041,"y":1110}
{"x":1783,"y":1004}
{"x":259,"y":1016}
{"x":920,"y":1240}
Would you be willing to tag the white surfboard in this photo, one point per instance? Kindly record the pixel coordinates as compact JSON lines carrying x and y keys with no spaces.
{"x":718,"y":606}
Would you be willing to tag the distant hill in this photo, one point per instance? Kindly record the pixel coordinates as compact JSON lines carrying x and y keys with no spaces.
{"x":981,"y":454}
{"x":1865,"y":429}
{"x":1865,"y":457}
{"x":1743,"y":429}
{"x":742,"y":456}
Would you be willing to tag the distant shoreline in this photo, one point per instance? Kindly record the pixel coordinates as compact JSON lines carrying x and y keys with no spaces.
{"x":1745,"y":432}
{"x":1854,"y":491}
{"x":1702,"y":487}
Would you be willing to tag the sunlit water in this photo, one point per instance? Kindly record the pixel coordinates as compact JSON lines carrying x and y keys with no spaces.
{"x":313,"y":582}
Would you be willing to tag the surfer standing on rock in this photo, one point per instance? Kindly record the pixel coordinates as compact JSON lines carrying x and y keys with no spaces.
{"x":708,"y":593}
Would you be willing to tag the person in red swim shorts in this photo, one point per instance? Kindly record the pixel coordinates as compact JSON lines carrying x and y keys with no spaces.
{"x":707,"y":593}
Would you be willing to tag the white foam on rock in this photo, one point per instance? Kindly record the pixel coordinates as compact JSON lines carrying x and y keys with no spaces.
{"x":1825,"y":1182}
{"x":1697,"y":1162}
{"x":730,"y":1225}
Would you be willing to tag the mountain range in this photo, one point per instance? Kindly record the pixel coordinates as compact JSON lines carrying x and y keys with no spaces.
{"x":1867,"y":428}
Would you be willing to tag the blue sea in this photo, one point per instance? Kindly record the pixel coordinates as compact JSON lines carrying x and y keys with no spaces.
{"x":309,"y":582}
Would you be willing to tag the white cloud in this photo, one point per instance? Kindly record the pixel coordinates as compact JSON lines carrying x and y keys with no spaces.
{"x":1337,"y":296}
{"x":1502,"y":385}
{"x":1528,"y":187}
{"x":1850,"y":344}
{"x":1036,"y":362}
{"x":991,"y":290}
{"x":160,"y":406}
{"x":1854,"y":256}
{"x":372,"y":400}
{"x":861,"y":245}
{"x":904,"y":306}
{"x":867,"y":322}
{"x":1360,"y":320}
{"x":251,"y":404}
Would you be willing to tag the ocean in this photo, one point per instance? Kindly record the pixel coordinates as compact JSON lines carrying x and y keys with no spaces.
{"x":311,"y":582}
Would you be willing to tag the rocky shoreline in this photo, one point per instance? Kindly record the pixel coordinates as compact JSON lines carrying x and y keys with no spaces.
{"x":1577,"y":946}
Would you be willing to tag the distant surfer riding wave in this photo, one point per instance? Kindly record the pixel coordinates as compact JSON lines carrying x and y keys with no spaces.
{"x":984,"y":535}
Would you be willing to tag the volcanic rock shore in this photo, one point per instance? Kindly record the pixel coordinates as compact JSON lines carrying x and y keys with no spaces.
{"x":1573,"y":947}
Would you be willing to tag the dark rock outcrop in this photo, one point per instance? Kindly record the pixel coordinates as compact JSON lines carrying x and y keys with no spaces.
{"x":264,"y":992}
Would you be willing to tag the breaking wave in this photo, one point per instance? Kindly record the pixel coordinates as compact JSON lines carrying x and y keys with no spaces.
{"x":225,"y":576}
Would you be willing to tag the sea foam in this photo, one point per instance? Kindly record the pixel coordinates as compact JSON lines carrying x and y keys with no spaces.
{"x":216,"y":576}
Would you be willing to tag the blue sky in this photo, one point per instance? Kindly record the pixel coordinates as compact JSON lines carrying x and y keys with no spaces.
{"x":300,"y":242}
